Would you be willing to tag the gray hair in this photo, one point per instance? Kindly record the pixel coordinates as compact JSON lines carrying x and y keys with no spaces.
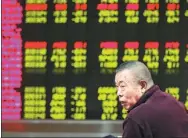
{"x":139,"y":69}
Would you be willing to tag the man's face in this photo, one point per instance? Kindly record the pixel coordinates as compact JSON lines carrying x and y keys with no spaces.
{"x":128,"y":90}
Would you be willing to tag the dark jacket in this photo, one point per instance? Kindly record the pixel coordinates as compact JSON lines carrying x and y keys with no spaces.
{"x":156,"y":115}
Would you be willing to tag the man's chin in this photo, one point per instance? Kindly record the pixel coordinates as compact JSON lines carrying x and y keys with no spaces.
{"x":126,"y":106}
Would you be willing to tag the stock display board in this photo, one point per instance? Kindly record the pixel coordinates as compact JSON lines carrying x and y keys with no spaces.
{"x":59,"y":56}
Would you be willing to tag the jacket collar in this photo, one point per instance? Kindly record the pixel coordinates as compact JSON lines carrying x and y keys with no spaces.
{"x":145,"y":96}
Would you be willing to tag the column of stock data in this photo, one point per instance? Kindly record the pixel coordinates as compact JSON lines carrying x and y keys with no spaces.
{"x":58,"y":103}
{"x":78,"y":103}
{"x":132,"y":11}
{"x":35,"y":55}
{"x":11,"y":59}
{"x":36,"y":11}
{"x":34,"y":102}
{"x":174,"y":91}
{"x":172,"y":11}
{"x":60,"y":11}
{"x":80,"y":11}
{"x":131,"y":51}
{"x":79,"y":57}
{"x":108,"y":58}
{"x":151,"y":56}
{"x":172,"y":57}
{"x":151,"y":12}
{"x":59,"y":57}
{"x":108,"y":97}
{"x":108,"y":11}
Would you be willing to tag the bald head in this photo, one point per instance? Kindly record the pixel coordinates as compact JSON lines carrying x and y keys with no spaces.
{"x":138,"y":70}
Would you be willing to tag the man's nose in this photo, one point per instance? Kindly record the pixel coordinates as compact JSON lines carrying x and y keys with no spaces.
{"x":118,"y":92}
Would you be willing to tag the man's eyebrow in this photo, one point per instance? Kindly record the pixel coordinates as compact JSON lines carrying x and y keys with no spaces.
{"x":119,"y":82}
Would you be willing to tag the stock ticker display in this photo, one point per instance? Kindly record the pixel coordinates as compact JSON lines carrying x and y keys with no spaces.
{"x":59,"y":56}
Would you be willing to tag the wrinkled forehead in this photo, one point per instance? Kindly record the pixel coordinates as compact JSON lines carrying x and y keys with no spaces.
{"x":124,"y":75}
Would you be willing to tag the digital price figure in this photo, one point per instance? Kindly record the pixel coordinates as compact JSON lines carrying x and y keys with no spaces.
{"x":186,"y":56}
{"x":152,"y":11}
{"x":174,"y":91}
{"x":186,"y":100}
{"x":108,"y":11}
{"x":34,"y":102}
{"x":131,"y":51}
{"x":80,"y":11}
{"x":11,"y":59}
{"x":108,"y":97}
{"x":58,"y":103}
{"x":35,"y":56}
{"x":60,"y":13}
{"x":59,"y":57}
{"x":186,"y":10}
{"x":36,"y":11}
{"x":172,"y":11}
{"x":172,"y":57}
{"x":151,"y":56}
{"x":131,"y":11}
{"x":78,"y":103}
{"x":108,"y":57}
{"x":79,"y":57}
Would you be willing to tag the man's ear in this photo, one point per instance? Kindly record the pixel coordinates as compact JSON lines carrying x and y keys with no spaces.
{"x":143,"y":84}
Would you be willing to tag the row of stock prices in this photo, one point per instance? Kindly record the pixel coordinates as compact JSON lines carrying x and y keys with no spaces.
{"x":59,"y":56}
{"x":36,"y":56}
{"x":36,"y":11}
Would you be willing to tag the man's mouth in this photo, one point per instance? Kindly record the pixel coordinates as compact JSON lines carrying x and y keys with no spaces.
{"x":122,"y":103}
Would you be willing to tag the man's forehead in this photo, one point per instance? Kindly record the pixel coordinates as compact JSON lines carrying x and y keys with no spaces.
{"x":123,"y":75}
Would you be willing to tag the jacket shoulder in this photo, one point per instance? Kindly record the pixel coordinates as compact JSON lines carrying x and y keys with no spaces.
{"x":139,"y":113}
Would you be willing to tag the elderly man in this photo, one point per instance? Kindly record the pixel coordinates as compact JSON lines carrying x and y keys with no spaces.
{"x":151,"y":112}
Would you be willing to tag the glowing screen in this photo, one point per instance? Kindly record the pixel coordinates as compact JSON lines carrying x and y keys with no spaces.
{"x":59,"y":56}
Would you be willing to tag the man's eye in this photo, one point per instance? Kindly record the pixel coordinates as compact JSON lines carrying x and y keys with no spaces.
{"x":122,"y":86}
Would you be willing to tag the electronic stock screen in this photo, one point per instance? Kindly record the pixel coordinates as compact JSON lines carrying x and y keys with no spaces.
{"x":59,"y":56}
